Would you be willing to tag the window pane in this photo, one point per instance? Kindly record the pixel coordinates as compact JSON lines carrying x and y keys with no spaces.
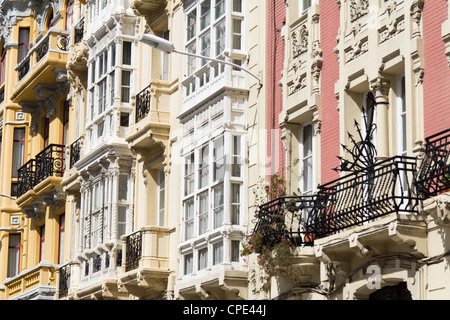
{"x":18,"y":150}
{"x":220,"y":8}
{"x":218,"y":253}
{"x":205,"y":8}
{"x":220,"y":37}
{"x":13,"y":255}
{"x":189,"y":174}
{"x":202,"y":258}
{"x":237,"y":5}
{"x":218,"y":206}
{"x":237,"y":159}
{"x":219,"y":159}
{"x":203,"y":167}
{"x":126,"y":59}
{"x":203,"y":212}
{"x":192,"y":19}
{"x":235,"y":203}
{"x":206,"y":45}
{"x":235,"y":250}
{"x":121,"y":221}
{"x":189,"y":219}
{"x":237,"y":34}
{"x":188,"y":263}
{"x":126,"y":82}
{"x":123,"y":187}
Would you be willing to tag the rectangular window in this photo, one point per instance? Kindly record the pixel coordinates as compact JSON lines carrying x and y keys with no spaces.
{"x":219,"y":8}
{"x":206,"y":46}
{"x":205,"y":8}
{"x":202,"y":258}
{"x":235,"y":203}
{"x":203,"y":168}
{"x":165,"y":60}
{"x":126,"y":86}
{"x":93,"y":72}
{"x":42,"y":243}
{"x":24,"y":43}
{"x":191,"y":24}
{"x":218,"y":253}
{"x":188,"y":263}
{"x":121,"y":221}
{"x":100,"y":129}
{"x":190,"y":65}
{"x":161,"y":197}
{"x":203,"y":215}
{"x":123,"y":187}
{"x":13,"y":255}
{"x":220,"y":38}
{"x":305,"y":4}
{"x":237,"y":34}
{"x":101,"y":96}
{"x":189,"y":174}
{"x":306,"y":159}
{"x":237,"y":5}
{"x":188,"y":219}
{"x":18,"y":150}
{"x":92,"y":101}
{"x":235,"y":250}
{"x":126,"y":58}
{"x":236,"y":161}
{"x":62,"y":225}
{"x":219,"y":159}
{"x":218,"y":206}
{"x":111,"y":87}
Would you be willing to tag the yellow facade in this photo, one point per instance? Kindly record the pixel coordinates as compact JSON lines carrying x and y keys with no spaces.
{"x":35,"y":91}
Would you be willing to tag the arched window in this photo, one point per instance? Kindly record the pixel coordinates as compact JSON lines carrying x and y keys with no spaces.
{"x":69,"y":14}
{"x":49,"y":20}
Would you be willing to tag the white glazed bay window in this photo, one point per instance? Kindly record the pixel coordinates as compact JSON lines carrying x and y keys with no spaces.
{"x":213,"y":28}
{"x":110,"y":78}
{"x":213,"y":192}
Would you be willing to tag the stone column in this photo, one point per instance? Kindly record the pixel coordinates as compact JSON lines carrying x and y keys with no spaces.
{"x":380,"y":88}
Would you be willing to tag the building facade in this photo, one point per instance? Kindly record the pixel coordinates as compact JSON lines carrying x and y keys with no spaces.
{"x":285,"y":150}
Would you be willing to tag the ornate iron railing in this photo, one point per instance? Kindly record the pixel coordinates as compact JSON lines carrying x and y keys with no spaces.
{"x":75,"y":152}
{"x":24,"y":68}
{"x":285,"y":218}
{"x":433,"y":176}
{"x":79,"y":31}
{"x":50,"y":162}
{"x":64,"y":280}
{"x":364,"y":196}
{"x":352,"y":200}
{"x":42,"y":49}
{"x":26,"y":177}
{"x":143,"y":99}
{"x":133,"y":250}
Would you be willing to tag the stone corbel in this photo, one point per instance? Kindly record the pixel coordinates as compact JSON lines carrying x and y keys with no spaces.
{"x":359,"y":248}
{"x":439,"y":209}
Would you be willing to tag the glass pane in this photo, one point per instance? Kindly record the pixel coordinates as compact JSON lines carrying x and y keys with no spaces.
{"x":203,"y":212}
{"x":188,"y":263}
{"x":220,"y":37}
{"x":126,"y":53}
{"x":202,"y":258}
{"x":235,"y":250}
{"x":123,"y":187}
{"x":218,"y":253}
{"x":191,"y":20}
{"x":205,"y":8}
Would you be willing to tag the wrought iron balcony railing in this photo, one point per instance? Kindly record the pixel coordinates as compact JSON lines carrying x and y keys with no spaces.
{"x":285,"y":218}
{"x":79,"y":31}
{"x":352,"y":200}
{"x":49,"y":162}
{"x":133,"y":252}
{"x":364,"y":196}
{"x":433,"y":176}
{"x":26,"y":177}
{"x":64,"y":281}
{"x":143,"y":99}
{"x":75,"y":152}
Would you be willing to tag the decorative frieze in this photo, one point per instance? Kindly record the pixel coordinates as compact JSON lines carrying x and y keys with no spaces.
{"x":299,"y":41}
{"x":358,"y":9}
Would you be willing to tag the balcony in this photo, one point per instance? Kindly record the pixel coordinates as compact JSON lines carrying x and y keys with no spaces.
{"x":150,"y":133}
{"x":145,"y":262}
{"x":433,"y":178}
{"x":44,"y":64}
{"x":41,"y":177}
{"x":37,"y":283}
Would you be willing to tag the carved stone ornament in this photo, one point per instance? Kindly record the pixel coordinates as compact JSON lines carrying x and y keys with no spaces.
{"x":439,"y":209}
{"x":299,"y":41}
{"x":358,"y":8}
